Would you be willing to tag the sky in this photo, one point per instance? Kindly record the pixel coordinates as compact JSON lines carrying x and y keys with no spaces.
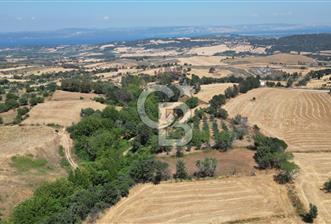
{"x":47,"y":15}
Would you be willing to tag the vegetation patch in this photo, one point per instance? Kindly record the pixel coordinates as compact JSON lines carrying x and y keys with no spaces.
{"x":25,"y":163}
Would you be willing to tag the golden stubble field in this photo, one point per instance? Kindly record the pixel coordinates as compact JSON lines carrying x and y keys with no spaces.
{"x":226,"y":200}
{"x":63,"y":109}
{"x":39,"y":141}
{"x":315,"y":170}
{"x":208,"y":91}
{"x":300,"y":117}
{"x":282,"y":58}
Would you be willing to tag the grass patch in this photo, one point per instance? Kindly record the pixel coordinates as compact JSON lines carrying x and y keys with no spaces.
{"x":26,"y":163}
{"x":64,"y":162}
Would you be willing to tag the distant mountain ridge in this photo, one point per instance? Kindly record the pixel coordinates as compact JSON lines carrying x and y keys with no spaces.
{"x":95,"y":36}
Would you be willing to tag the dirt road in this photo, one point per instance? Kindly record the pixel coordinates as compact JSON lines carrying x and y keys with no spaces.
{"x":66,"y":142}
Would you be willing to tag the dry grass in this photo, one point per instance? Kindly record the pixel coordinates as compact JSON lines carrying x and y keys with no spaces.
{"x":8,"y":116}
{"x":210,"y":201}
{"x":301,"y":117}
{"x":42,"y":143}
{"x":64,"y":109}
{"x":211,"y":50}
{"x":287,"y":59}
{"x":208,"y":91}
{"x":315,"y":170}
{"x":201,"y":60}
{"x":232,"y":162}
{"x":60,"y":95}
{"x":324,"y":82}
{"x":205,"y":72}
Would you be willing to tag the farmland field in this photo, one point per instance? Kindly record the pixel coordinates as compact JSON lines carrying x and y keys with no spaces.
{"x":40,"y":142}
{"x":301,"y":117}
{"x":315,"y":170}
{"x":208,"y":91}
{"x":63,"y":110}
{"x":232,"y":162}
{"x":211,"y":201}
{"x":288,"y":59}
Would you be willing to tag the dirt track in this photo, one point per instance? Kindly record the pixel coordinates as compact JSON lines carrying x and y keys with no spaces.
{"x":67,"y":144}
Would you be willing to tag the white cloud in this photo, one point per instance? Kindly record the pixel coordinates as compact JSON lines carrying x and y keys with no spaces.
{"x":106,"y":17}
{"x":33,"y":18}
{"x":19,"y":18}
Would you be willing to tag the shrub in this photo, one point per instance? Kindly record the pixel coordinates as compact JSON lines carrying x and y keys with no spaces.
{"x":225,"y":140}
{"x":327,"y":186}
{"x":86,"y":112}
{"x":288,"y":170}
{"x":192,"y":102}
{"x":206,"y":167}
{"x":311,"y":214}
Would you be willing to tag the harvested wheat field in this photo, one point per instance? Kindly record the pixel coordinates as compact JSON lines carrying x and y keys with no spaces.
{"x":324,"y":82}
{"x":208,"y":91}
{"x":60,"y":110}
{"x":288,"y":59}
{"x":209,"y":201}
{"x":60,"y":95}
{"x":204,"y":72}
{"x":315,"y":169}
{"x":300,"y":117}
{"x":201,"y":60}
{"x":39,"y":142}
{"x":211,"y":50}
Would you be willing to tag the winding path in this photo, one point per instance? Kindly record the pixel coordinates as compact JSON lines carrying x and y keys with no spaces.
{"x":66,"y":142}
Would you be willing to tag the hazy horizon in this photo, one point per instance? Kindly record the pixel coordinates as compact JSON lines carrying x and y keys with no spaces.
{"x":27,"y":16}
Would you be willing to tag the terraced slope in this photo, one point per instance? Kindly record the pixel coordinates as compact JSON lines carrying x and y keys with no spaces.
{"x":301,"y":117}
{"x":213,"y":201}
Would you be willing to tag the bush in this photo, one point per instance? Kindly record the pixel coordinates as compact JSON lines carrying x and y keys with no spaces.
{"x":23,"y":101}
{"x":1,"y":120}
{"x":206,"y":167}
{"x":311,"y":214}
{"x":192,"y":102}
{"x":288,"y":170}
{"x":327,"y":186}
{"x":86,"y":112}
{"x":35,"y":100}
{"x":221,"y":113}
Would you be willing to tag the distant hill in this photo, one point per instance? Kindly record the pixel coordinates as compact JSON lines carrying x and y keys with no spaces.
{"x":306,"y":43}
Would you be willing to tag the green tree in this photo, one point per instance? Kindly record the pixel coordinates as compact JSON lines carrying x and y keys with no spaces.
{"x":181,"y":172}
{"x":192,"y":102}
{"x":225,"y":140}
{"x":149,"y":170}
